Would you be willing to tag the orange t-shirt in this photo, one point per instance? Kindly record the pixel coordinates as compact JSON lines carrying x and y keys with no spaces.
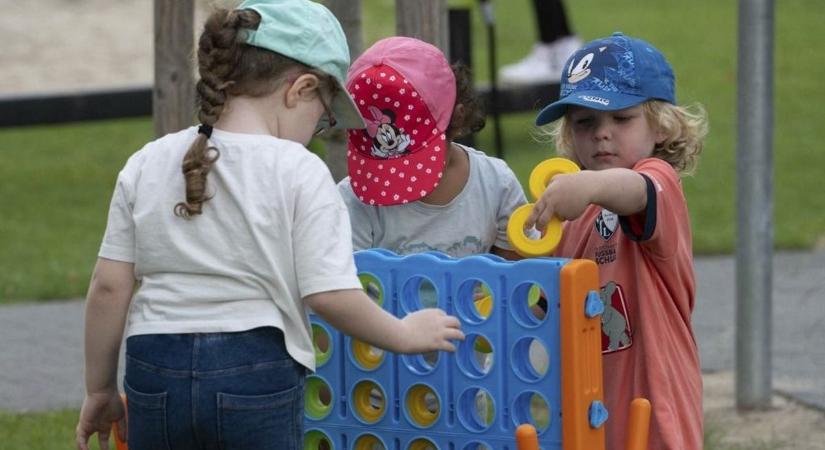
{"x":646,"y":271}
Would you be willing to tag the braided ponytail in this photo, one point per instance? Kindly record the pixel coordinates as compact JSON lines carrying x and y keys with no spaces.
{"x":228,"y":67}
{"x":219,"y":51}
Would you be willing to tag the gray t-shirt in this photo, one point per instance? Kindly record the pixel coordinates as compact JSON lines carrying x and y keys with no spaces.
{"x":472,"y":223}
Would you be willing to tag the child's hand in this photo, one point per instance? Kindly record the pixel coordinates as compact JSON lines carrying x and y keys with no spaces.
{"x":430,"y":329}
{"x":98,"y":413}
{"x":566,"y":196}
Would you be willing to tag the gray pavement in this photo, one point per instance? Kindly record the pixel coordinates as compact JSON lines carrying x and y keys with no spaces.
{"x":798,"y":321}
{"x":41,"y":344}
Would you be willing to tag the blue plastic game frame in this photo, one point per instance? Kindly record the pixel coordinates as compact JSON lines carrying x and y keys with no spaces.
{"x":512,"y":382}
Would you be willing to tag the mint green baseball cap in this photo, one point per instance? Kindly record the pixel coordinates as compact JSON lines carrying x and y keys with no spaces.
{"x":308,"y":32}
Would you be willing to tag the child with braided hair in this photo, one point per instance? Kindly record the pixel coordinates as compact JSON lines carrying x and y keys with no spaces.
{"x":211,"y":274}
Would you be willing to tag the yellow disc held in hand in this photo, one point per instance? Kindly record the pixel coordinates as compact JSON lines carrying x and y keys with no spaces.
{"x":539,"y":179}
{"x":525,"y":246}
{"x":547,"y":169}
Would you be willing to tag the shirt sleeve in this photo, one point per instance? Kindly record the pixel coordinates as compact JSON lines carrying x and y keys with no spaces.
{"x":665,"y":220}
{"x":512,"y":196}
{"x":363,"y":234}
{"x":119,"y":239}
{"x":321,"y":236}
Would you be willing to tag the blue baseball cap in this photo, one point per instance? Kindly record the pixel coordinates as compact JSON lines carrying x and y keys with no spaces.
{"x":308,"y":32}
{"x":610,"y":74}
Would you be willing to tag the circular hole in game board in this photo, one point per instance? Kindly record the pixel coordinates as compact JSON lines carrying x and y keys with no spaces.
{"x":422,"y":444}
{"x":372,"y":286}
{"x":529,"y":304}
{"x":475,"y":301}
{"x":475,"y":355}
{"x":369,"y":442}
{"x":317,"y":397}
{"x":531,"y":407}
{"x":422,"y":405}
{"x":368,"y":401}
{"x":419,"y":293}
{"x":366,"y":356}
{"x":322,"y":342}
{"x":421,"y":364}
{"x":476,"y":445}
{"x":529,"y":359}
{"x":317,"y":440}
{"x":476,"y":409}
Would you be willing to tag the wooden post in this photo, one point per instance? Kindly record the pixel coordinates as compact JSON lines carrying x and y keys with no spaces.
{"x":425,"y":20}
{"x":173,"y":98}
{"x":348,"y":13}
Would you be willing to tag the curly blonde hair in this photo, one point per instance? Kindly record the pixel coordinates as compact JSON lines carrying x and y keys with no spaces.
{"x":228,"y":66}
{"x":684,"y":126}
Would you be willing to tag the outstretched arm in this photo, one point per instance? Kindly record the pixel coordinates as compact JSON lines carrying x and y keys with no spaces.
{"x":107,"y":305}
{"x":622,"y":191}
{"x":352,"y":312}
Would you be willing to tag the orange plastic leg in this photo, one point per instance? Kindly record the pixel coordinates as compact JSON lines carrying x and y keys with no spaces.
{"x":526,"y":437}
{"x":119,"y":445}
{"x":638,"y":425}
{"x":581,"y":358}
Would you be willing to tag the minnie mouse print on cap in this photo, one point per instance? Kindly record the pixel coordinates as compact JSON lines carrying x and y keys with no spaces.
{"x":405,"y":90}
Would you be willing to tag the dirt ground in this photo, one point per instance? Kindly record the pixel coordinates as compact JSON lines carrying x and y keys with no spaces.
{"x":787,"y":426}
{"x":63,"y":45}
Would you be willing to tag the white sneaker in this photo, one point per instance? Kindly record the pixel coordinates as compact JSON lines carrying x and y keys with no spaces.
{"x":543,"y":64}
{"x":563,"y":48}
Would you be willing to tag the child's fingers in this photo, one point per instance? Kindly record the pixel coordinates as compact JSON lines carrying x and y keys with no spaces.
{"x":447,"y":346}
{"x":122,"y":429}
{"x":540,"y":215}
{"x":103,"y":440}
{"x":452,"y":322}
{"x":81,"y":439}
{"x":530,"y":222}
{"x":543,"y":220}
{"x":454,"y":334}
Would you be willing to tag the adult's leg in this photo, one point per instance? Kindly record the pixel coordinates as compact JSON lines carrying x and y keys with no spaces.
{"x":545,"y":62}
{"x":551,"y":20}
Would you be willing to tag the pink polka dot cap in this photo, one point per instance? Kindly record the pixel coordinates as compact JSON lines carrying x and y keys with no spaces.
{"x":405,"y":90}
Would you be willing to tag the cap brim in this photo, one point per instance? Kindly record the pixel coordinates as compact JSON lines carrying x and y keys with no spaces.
{"x":399,"y":180}
{"x":600,"y":100}
{"x":345,"y":111}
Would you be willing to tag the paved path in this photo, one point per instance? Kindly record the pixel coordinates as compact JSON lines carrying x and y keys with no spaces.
{"x":798,"y":321}
{"x":41,"y":344}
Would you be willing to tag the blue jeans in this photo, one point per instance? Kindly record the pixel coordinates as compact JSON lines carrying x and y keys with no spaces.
{"x":213,"y":391}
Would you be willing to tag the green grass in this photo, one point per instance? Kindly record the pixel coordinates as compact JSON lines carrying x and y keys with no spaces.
{"x":57,"y":183}
{"x":41,"y":431}
{"x":57,"y":180}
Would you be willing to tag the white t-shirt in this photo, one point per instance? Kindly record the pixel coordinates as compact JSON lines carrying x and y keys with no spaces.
{"x":274,"y":232}
{"x":472,"y":223}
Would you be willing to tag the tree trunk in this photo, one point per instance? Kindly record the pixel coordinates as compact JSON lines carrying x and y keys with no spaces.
{"x":425,"y":20}
{"x":173,"y":98}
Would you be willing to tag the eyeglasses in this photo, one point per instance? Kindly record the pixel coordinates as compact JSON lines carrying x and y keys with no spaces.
{"x":326,"y":122}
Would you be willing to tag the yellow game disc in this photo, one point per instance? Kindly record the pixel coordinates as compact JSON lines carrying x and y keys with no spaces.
{"x":547,"y":169}
{"x":539,"y":179}
{"x":484,"y":306}
{"x":525,"y":246}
